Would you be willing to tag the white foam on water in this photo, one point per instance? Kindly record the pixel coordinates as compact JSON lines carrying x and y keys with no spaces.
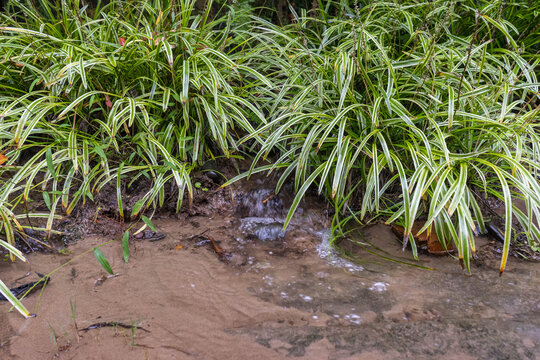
{"x":353,"y":318}
{"x":327,"y":252}
{"x":268,"y":280}
{"x":379,"y":286}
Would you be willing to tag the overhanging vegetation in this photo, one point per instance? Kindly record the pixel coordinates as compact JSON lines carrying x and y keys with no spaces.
{"x":400,"y":110}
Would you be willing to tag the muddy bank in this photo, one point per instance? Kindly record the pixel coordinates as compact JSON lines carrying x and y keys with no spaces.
{"x":222,"y":280}
{"x":273,"y":303}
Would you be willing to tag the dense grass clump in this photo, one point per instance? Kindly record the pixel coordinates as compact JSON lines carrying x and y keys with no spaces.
{"x":130,"y":89}
{"x":418,"y":110}
{"x":91,"y":96}
{"x":402,"y":110}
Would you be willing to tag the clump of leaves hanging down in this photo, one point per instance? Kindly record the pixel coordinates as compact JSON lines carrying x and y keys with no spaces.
{"x":408,"y":111}
{"x":138,"y":89}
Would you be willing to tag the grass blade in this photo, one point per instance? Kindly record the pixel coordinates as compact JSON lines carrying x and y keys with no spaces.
{"x":125,"y":246}
{"x":14,"y":301}
{"x":103,"y":261}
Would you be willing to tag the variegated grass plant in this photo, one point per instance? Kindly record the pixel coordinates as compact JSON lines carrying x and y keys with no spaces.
{"x":404,"y":110}
{"x":89,"y":97}
{"x":400,"y":110}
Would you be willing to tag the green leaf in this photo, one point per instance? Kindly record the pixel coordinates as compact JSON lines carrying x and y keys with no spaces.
{"x":47,"y":199}
{"x":103,"y":260}
{"x":166,"y":96}
{"x":82,"y":72}
{"x":50,"y":166}
{"x":300,"y":195}
{"x":14,"y":301}
{"x":125,"y":246}
{"x":137,"y":207}
{"x":451,"y":100}
{"x":12,"y":249}
{"x":168,"y":52}
{"x":148,"y":222}
{"x":119,"y":190}
{"x":72,"y":149}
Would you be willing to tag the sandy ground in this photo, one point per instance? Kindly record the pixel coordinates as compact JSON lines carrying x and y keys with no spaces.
{"x":270,"y":304}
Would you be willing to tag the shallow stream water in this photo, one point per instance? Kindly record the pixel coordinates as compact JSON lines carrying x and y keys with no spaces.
{"x":273,"y":295}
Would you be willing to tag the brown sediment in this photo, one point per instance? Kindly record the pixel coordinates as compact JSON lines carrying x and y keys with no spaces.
{"x":430,"y":243}
{"x":274,"y":306}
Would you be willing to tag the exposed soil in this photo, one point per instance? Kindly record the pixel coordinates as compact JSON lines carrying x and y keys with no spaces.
{"x":226,"y":283}
{"x":273,"y":306}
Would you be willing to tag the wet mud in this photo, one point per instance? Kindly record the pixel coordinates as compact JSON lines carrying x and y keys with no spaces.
{"x":232,"y":285}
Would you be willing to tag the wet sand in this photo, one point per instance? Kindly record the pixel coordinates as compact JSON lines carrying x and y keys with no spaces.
{"x":270,"y":304}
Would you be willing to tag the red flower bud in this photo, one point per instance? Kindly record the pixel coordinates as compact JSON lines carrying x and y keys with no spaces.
{"x":108,"y":101}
